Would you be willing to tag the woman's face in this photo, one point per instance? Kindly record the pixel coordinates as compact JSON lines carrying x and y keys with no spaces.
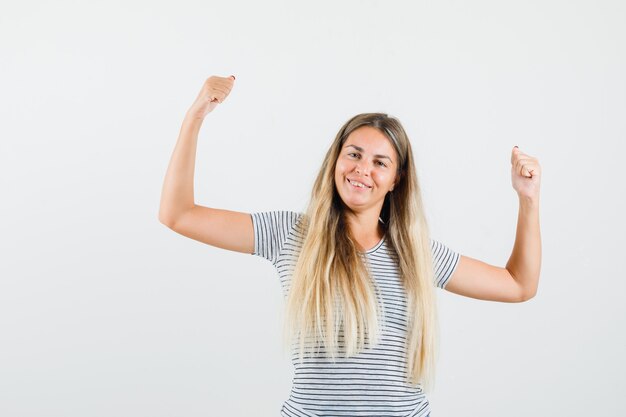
{"x":367,"y":157}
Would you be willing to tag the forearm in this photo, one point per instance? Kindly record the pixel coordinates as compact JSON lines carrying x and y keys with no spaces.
{"x":177,"y":194}
{"x":525,"y":261}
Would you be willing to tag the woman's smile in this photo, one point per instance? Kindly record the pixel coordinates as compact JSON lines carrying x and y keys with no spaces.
{"x":359,"y":186}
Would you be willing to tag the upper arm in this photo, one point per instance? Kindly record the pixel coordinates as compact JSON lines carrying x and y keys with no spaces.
{"x":477,"y":279}
{"x":226,"y":229}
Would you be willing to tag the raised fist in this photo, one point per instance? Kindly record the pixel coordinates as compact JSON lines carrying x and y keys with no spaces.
{"x":213,"y":92}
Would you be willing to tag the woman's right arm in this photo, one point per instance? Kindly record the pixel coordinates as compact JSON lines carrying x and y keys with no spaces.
{"x":224,"y":229}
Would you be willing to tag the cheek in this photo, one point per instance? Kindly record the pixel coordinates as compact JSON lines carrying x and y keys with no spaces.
{"x":383,"y":178}
{"x":338,"y":174}
{"x":340,"y":169}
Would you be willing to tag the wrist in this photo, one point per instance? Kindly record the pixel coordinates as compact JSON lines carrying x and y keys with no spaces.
{"x":193,"y":118}
{"x":529,"y":202}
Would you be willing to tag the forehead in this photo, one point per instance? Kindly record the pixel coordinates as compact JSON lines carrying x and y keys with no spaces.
{"x":372,"y":140}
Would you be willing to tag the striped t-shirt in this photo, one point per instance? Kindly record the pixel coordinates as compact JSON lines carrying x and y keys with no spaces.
{"x":373,"y":382}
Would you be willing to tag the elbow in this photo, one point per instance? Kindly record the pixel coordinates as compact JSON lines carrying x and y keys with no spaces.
{"x":167,"y":221}
{"x":524,"y":292}
{"x":527,"y":294}
{"x":170,"y":217}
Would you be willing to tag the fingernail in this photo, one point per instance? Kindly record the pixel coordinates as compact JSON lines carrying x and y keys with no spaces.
{"x":516,"y":146}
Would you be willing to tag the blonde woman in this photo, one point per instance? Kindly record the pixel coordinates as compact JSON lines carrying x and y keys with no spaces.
{"x":359,"y":268}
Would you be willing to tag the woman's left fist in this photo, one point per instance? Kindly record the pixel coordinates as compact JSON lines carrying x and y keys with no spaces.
{"x":525,"y":174}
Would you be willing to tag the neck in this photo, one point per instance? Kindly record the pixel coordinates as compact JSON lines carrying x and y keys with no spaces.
{"x":365,"y":226}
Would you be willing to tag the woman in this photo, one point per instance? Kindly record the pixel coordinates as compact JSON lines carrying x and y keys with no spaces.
{"x":358,"y":267}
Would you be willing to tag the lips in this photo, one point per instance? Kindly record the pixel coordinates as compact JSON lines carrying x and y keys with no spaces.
{"x":366,"y":186}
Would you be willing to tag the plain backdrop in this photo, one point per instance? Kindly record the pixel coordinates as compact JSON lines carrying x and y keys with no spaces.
{"x":106,"y":312}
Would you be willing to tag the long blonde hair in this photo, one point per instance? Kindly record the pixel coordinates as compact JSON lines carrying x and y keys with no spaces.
{"x":332,"y":294}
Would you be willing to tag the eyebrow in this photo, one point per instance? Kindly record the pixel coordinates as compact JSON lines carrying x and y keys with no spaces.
{"x":358,"y":148}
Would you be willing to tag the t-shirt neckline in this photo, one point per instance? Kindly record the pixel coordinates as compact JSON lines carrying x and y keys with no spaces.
{"x":376,"y":246}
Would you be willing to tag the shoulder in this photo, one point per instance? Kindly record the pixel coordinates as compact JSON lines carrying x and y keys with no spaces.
{"x":272,"y":229}
{"x":276,"y":219}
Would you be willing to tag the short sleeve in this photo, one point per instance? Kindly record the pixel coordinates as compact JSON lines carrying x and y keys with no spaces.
{"x":445,"y":261}
{"x":271,"y":229}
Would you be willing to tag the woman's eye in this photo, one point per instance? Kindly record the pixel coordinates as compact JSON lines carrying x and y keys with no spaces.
{"x":354,"y":154}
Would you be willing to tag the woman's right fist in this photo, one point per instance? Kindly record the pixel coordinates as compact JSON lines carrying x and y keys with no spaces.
{"x":213,"y":92}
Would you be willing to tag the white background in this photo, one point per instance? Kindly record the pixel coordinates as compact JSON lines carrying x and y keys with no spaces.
{"x":106,"y":312}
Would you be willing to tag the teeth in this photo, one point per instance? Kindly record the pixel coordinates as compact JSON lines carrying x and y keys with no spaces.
{"x":358,"y":184}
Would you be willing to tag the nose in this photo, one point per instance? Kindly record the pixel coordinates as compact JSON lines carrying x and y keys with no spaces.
{"x":361,"y":168}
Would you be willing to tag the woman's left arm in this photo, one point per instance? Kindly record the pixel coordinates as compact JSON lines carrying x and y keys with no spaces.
{"x":519,"y":280}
